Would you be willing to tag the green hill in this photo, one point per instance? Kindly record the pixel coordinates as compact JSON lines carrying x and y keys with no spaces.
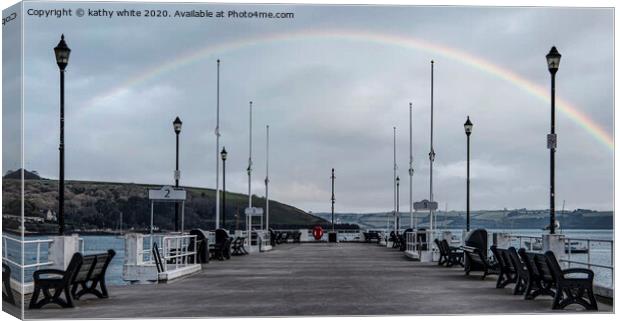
{"x":97,"y":206}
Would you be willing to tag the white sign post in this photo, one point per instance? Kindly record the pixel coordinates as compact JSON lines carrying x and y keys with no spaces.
{"x":168,"y":194}
{"x":426,"y":206}
{"x":250,"y":213}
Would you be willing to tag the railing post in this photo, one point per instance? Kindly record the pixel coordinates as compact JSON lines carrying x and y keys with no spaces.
{"x":588,"y":248}
{"x":38,"y":254}
{"x":61,"y":250}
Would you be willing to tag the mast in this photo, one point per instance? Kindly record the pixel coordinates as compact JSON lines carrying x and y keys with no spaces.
{"x":394,"y":181}
{"x":250,"y":163}
{"x":411,"y":225}
{"x":267,"y":184}
{"x":431,"y":154}
{"x":217,"y":151}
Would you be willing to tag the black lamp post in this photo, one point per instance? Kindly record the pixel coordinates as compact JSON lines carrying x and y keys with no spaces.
{"x":397,"y":204}
{"x":62,"y":52}
{"x":177,"y":124}
{"x":553,"y":62}
{"x":468,"y":127}
{"x":333,"y":177}
{"x":224,"y":155}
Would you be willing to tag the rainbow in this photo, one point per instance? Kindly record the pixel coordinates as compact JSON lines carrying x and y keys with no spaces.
{"x":568,"y":109}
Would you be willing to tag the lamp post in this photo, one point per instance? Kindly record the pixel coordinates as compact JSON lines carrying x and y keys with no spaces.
{"x":431,"y":154}
{"x":553,"y":62}
{"x":224,"y":155}
{"x":397,"y":204}
{"x":176,"y":125}
{"x":468,"y":127}
{"x":333,"y":177}
{"x":62,"y":52}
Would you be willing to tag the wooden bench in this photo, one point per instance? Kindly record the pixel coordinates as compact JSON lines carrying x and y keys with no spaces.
{"x":477,"y":262}
{"x":370,"y":236}
{"x":57,"y":280}
{"x":520,"y":270}
{"x":89,"y":278}
{"x":238,"y":246}
{"x":451,"y":255}
{"x":569,"y":288}
{"x":221,"y":250}
{"x":535,"y":285}
{"x":7,"y":293}
{"x":507,"y":272}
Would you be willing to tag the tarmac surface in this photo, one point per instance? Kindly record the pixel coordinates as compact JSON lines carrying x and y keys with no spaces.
{"x":310,"y":279}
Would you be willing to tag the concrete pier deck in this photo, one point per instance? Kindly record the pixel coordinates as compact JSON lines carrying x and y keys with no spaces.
{"x":311,"y":279}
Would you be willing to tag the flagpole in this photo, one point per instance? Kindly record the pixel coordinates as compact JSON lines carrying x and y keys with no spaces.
{"x":267,"y":184}
{"x":411,"y":225}
{"x":394,"y":180}
{"x":431,"y":154}
{"x":248,"y":227}
{"x":250,"y":163}
{"x":217,"y":152}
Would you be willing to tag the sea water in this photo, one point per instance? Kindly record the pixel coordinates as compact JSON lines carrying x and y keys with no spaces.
{"x":600,"y":252}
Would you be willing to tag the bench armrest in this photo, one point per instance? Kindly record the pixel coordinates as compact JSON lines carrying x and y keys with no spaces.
{"x":579,"y":270}
{"x":37,"y":274}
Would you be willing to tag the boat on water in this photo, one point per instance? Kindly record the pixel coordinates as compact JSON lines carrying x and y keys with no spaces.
{"x":574,"y":247}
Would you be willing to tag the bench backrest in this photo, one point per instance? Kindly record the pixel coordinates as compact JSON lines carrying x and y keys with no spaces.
{"x":441,"y":251}
{"x":516,"y":262}
{"x":554,"y":266}
{"x":101,"y":264}
{"x":473,"y":253}
{"x":446,"y":246}
{"x":542,"y":267}
{"x":94,"y":266}
{"x":528,"y":261}
{"x":499,"y":257}
{"x":74,"y":266}
{"x":84,"y":271}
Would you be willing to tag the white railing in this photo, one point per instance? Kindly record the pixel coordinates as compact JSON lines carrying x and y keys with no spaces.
{"x":600,"y":263}
{"x":588,"y":250}
{"x":264,"y":237}
{"x":529,"y":243}
{"x":147,"y":252}
{"x":38,"y":262}
{"x":413,"y":243}
{"x":176,"y":252}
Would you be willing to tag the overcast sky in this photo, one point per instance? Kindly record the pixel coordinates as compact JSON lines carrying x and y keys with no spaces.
{"x":330,"y":102}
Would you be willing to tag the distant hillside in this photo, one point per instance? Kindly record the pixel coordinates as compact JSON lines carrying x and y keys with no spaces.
{"x":491,"y":219}
{"x":18,"y":174}
{"x":97,"y":206}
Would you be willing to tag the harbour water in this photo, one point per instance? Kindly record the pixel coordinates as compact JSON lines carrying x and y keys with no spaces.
{"x":599,"y":254}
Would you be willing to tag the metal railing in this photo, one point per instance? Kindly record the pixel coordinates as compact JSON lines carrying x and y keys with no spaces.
{"x":38,"y":253}
{"x":529,"y":243}
{"x":177,"y":253}
{"x":588,"y":253}
{"x":415,"y":243}
{"x":147,"y":252}
{"x":534,"y":244}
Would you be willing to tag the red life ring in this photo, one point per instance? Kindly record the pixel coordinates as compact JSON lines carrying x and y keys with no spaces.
{"x":317,"y":232}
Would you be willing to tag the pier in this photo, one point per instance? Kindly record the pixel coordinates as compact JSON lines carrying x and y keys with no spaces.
{"x":311,"y":279}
